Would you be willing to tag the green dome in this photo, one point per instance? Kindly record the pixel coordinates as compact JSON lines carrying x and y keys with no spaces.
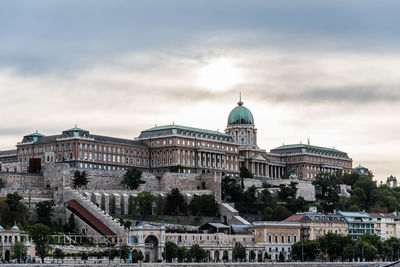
{"x":1,"y":228}
{"x":15,"y":228}
{"x":240,"y":115}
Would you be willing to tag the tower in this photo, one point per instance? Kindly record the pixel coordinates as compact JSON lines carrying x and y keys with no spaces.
{"x":240,"y":126}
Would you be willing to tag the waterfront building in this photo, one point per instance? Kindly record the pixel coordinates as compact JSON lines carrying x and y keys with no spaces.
{"x":277,"y":237}
{"x":314,"y":225}
{"x":358,"y":223}
{"x":386,"y":225}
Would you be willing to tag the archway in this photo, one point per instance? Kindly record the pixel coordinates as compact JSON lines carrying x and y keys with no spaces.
{"x":7,"y":256}
{"x":151,"y":248}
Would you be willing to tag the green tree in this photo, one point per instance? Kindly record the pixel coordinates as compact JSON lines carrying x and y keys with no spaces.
{"x":58,"y":254}
{"x":197,"y":253}
{"x":310,"y":248}
{"x":71,"y":223}
{"x":133,"y":178}
{"x":113,"y":253}
{"x":349,"y":252}
{"x":287,"y":192}
{"x":175,"y":203}
{"x":140,"y":256}
{"x":333,"y":244}
{"x":239,"y":252}
{"x":252,"y":255}
{"x":354,"y":208}
{"x":18,"y":251}
{"x":231,"y":189}
{"x":145,"y":202}
{"x":245,"y":173}
{"x":170,"y":251}
{"x":203,"y":205}
{"x":328,"y":190}
{"x":44,"y":211}
{"x":281,"y":213}
{"x":17,"y":212}
{"x":40,"y":235}
{"x":281,"y":257}
{"x":80,"y":179}
{"x":177,"y":168}
{"x":124,"y":252}
{"x":84,"y":256}
{"x":391,"y":246}
{"x":250,"y":194}
{"x":182,"y":253}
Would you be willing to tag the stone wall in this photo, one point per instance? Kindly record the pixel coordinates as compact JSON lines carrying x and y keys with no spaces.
{"x":27,"y":185}
{"x":305,"y":189}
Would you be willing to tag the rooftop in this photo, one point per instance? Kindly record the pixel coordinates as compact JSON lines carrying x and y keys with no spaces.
{"x":305,"y":148}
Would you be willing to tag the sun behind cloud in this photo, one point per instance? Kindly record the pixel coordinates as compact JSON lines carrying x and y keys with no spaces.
{"x":219,"y":75}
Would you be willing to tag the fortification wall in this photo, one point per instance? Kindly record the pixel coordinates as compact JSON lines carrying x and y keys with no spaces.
{"x":27,"y":185}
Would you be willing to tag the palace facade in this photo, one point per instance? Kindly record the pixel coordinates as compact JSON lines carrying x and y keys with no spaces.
{"x":196,"y":150}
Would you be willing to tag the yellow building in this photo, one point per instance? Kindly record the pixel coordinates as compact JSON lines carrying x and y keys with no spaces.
{"x":386,"y":225}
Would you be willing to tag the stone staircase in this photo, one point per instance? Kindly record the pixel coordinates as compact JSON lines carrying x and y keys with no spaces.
{"x":104,"y":217}
{"x":230,"y":215}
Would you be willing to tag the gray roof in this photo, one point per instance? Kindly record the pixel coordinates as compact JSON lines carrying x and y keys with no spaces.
{"x":101,"y":138}
{"x":302,"y":148}
{"x":362,"y":214}
{"x":11,"y":152}
{"x":183,"y":130}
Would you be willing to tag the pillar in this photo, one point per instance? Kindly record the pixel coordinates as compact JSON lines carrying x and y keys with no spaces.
{"x":229,"y":255}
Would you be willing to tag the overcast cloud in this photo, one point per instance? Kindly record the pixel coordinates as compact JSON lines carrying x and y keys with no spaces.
{"x":327,"y":70}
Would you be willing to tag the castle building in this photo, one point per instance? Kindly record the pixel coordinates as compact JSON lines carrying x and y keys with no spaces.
{"x":194,"y":150}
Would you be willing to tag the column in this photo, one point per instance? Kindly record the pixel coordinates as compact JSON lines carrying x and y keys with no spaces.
{"x":211,"y":255}
{"x":247,"y":255}
{"x":252,"y":167}
{"x":229,"y":255}
{"x":279,"y":172}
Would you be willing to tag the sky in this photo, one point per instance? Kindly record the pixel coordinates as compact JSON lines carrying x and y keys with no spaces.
{"x":323,"y":70}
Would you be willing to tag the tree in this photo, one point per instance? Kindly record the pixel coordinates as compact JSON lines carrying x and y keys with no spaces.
{"x":252,"y":255}
{"x":177,"y":168}
{"x":281,"y":257}
{"x":230,"y":189}
{"x":287,"y":192}
{"x":197,"y":253}
{"x":145,"y":202}
{"x":124,"y":252}
{"x":309,"y":247}
{"x":58,"y":254}
{"x":349,"y":252}
{"x":170,"y":251}
{"x":16,"y":210}
{"x":71,"y":223}
{"x":329,"y":190}
{"x":203,"y":205}
{"x":18,"y":251}
{"x":80,"y":179}
{"x":239,"y":252}
{"x":245,"y":173}
{"x":281,"y":213}
{"x":44,"y":211}
{"x":182,"y":253}
{"x":250,"y":194}
{"x":175,"y":202}
{"x":354,"y":208}
{"x":132,"y":178}
{"x":113,"y":253}
{"x":333,"y":244}
{"x":140,"y":256}
{"x":40,"y":234}
{"x":84,"y":256}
